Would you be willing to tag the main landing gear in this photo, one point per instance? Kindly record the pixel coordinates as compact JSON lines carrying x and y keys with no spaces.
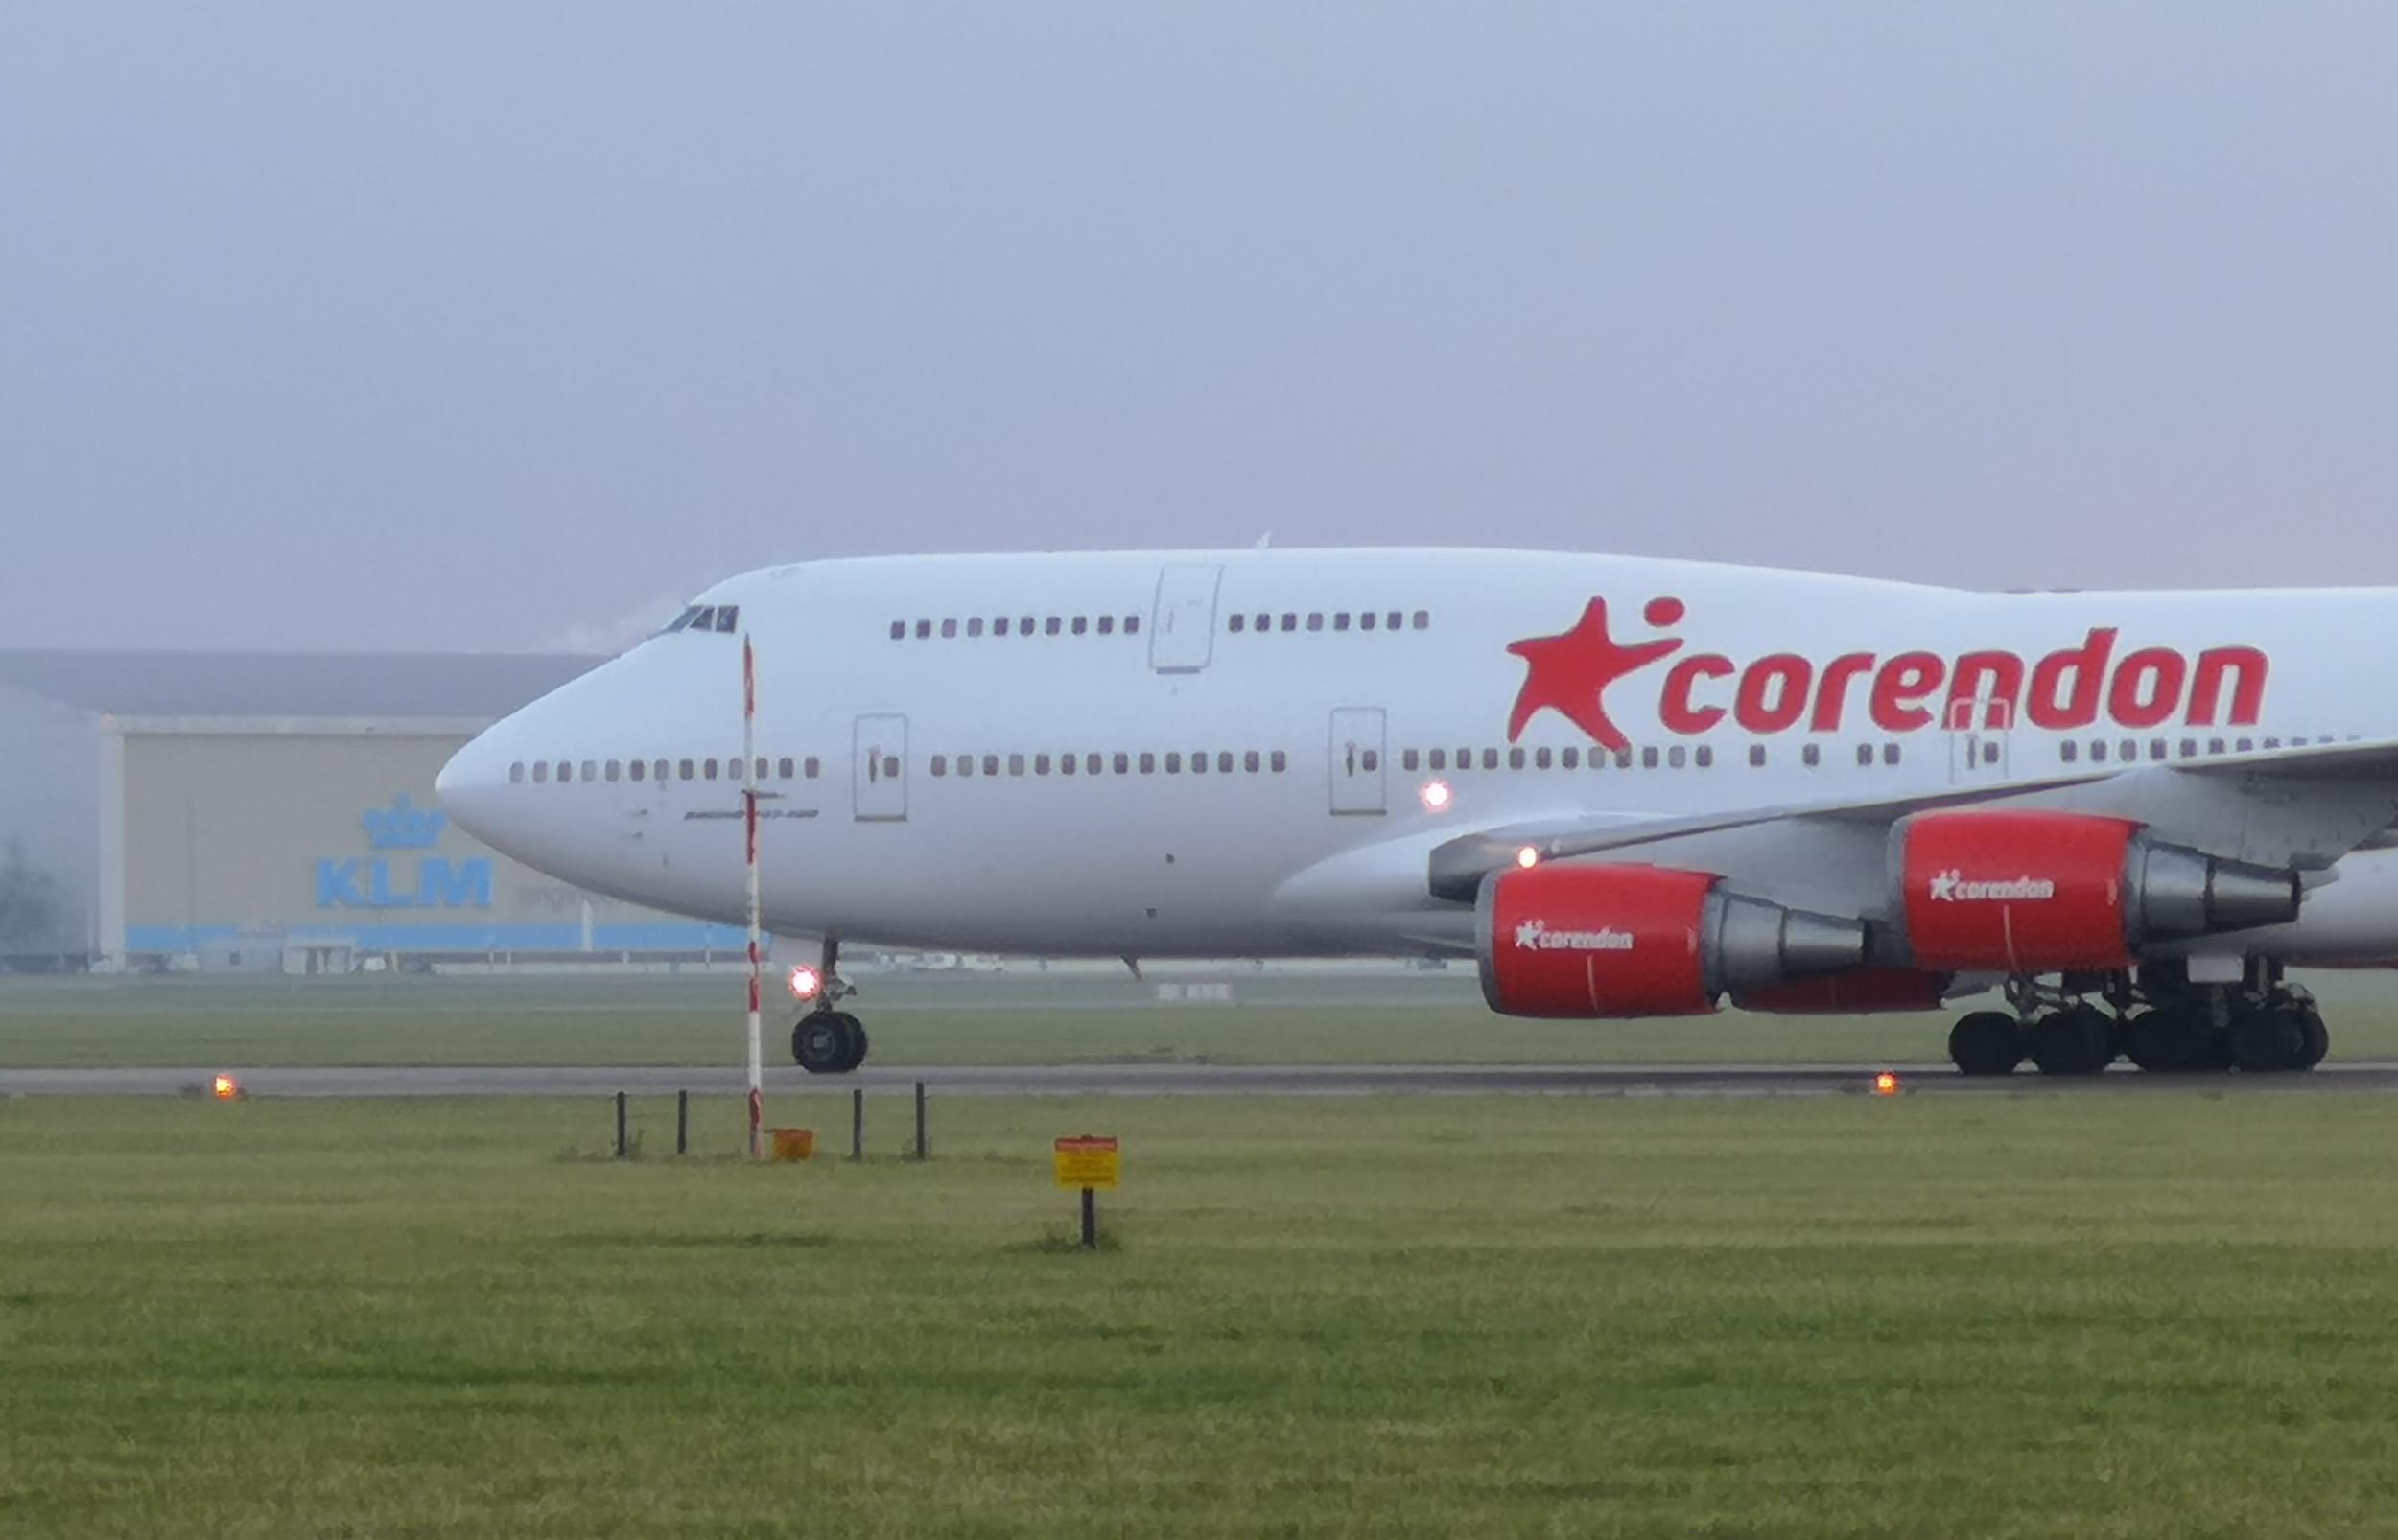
{"x":827,"y":1040}
{"x":2155,"y":1018}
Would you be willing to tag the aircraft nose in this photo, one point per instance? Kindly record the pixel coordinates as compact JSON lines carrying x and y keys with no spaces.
{"x":471,"y":787}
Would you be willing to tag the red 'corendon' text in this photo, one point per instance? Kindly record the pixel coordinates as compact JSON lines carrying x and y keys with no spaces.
{"x":2070,"y":687}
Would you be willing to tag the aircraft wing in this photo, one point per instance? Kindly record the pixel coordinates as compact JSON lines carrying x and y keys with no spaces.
{"x":2303,"y":807}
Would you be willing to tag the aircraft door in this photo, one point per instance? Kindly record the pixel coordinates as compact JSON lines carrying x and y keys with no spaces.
{"x":1357,"y":777}
{"x":1182,"y":628}
{"x":1979,"y":731}
{"x":878,"y":769}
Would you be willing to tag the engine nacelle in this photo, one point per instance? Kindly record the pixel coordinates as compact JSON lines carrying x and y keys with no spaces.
{"x":1592,"y":940}
{"x":2029,"y":892}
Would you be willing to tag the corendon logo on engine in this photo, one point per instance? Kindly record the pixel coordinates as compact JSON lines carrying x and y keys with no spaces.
{"x":2078,"y":685}
{"x":1953,"y":886}
{"x":1534,"y":935}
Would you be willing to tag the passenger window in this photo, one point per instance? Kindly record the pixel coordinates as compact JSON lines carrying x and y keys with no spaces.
{"x":1250,"y":761}
{"x":1540,"y":758}
{"x":2156,"y":748}
{"x":1238,"y":622}
{"x":2244,"y":745}
{"x":811,"y":767}
{"x":784,"y":768}
{"x":998,"y":625}
{"x":1570,"y":758}
{"x":1122,"y":763}
{"x":1439,"y":759}
{"x":1014,"y":764}
{"x":2132,"y":750}
{"x":1424,"y":618}
{"x":1677,"y":756}
{"x":1315,"y":619}
{"x":899,"y":629}
{"x":1024,"y":626}
{"x":2069,"y":751}
{"x":1091,"y":764}
{"x":591,"y":770}
{"x":1265,"y":623}
{"x":541,"y":772}
{"x":1224,"y":760}
{"x":2097,"y":750}
{"x":1107,"y":624}
{"x":966,"y":765}
{"x":924,"y":629}
{"x":516,"y":773}
{"x":2214,"y":746}
{"x":1704,"y":755}
{"x":637,"y":769}
{"x":1065,"y":764}
{"x":1290,"y":621}
{"x":612,"y":769}
{"x":1811,"y":755}
{"x":1199,"y":763}
{"x":974,"y":625}
{"x":1623,"y":759}
{"x":708,"y":768}
{"x":949,"y":629}
{"x":1647,"y":758}
{"x":1052,"y":625}
{"x":566,"y":770}
{"x":1148,"y":765}
{"x":1408,"y":758}
{"x":1132,"y":624}
{"x":940,"y":765}
{"x":1515,"y":758}
{"x":657,"y":772}
{"x":990,"y":764}
{"x":1391,"y":622}
{"x":1174,"y":765}
{"x":1082,"y":624}
{"x":1040,"y":764}
{"x":761,"y":769}
{"x":1365,"y":620}
{"x":1864,"y":754}
{"x":1890,"y":754}
{"x":1279,"y":760}
{"x":1340,"y":621}
{"x":1756,"y":753}
{"x":2189,"y":748}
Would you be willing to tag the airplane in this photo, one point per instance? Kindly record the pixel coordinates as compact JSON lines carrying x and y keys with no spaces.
{"x":1625,"y":787}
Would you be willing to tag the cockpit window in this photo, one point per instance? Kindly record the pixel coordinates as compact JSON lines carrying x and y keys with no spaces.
{"x":724,"y":618}
{"x":728,"y":617}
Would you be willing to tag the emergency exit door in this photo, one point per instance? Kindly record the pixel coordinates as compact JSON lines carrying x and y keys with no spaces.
{"x":1357,"y":778}
{"x":1181,"y":627}
{"x":878,"y":769}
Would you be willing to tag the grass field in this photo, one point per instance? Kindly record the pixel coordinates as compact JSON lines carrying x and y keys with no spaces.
{"x":1402,"y":1020}
{"x":2163,"y":1316}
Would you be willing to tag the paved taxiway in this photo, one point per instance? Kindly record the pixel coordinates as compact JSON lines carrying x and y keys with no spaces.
{"x":1184,"y":1080}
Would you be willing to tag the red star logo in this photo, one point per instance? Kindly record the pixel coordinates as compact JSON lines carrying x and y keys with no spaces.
{"x":1569,"y":673}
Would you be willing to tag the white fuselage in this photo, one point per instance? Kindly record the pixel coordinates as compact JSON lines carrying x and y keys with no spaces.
{"x":1320,"y":736}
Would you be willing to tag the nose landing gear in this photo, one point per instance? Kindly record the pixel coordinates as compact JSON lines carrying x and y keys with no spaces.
{"x":829,"y":1040}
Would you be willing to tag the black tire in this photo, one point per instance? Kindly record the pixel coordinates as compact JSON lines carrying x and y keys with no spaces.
{"x":818,"y":1043}
{"x":1986,"y":1042}
{"x":2315,"y":1039}
{"x":2077,"y":1041}
{"x":2265,"y":1041}
{"x":855,"y":1054}
{"x":2171,"y":1041}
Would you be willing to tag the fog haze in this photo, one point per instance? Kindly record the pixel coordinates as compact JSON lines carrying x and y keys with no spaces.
{"x":466,"y":326}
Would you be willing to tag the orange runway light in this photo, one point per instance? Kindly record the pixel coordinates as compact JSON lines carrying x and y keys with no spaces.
{"x":1885,"y":1084}
{"x":805,"y":982}
{"x":227,"y":1088}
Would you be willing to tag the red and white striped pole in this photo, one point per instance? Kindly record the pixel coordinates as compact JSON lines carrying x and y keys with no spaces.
{"x":756,"y":952}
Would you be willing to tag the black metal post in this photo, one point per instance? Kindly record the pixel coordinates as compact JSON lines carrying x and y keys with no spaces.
{"x":922,"y":1152}
{"x":682,"y":1121}
{"x":857,"y":1124}
{"x":624,"y":1139}
{"x":1090,"y":1220}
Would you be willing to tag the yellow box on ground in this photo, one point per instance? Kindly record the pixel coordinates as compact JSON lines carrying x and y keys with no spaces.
{"x":1087,"y":1161}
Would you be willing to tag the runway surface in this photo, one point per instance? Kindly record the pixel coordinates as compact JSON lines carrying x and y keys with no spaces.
{"x":2378,"y":1076}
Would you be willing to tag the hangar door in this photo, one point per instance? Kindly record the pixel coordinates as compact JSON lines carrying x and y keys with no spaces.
{"x":878,"y":769}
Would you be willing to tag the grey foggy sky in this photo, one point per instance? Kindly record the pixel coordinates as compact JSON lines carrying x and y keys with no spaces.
{"x":474,"y":326}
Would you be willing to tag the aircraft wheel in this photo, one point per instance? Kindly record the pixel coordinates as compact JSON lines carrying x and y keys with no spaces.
{"x":2315,"y":1037}
{"x":821,"y":1042}
{"x":2077,"y":1041}
{"x":855,"y":1031}
{"x":2170,"y":1042}
{"x":2266,"y":1039}
{"x":1986,"y":1042}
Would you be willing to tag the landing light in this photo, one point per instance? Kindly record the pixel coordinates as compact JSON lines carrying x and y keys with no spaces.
{"x":805,"y":982}
{"x":1527,"y":857}
{"x":1884,"y":1084}
{"x":1435,"y":796}
{"x":225,"y":1088}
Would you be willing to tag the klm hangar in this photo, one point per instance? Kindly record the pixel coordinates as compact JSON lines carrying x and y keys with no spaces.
{"x":274,"y":811}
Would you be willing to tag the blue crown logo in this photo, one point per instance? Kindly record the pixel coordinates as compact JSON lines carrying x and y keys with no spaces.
{"x":402,"y":827}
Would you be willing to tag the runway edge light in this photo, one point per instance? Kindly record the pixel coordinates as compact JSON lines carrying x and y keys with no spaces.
{"x":1884,"y":1084}
{"x":226,"y":1088}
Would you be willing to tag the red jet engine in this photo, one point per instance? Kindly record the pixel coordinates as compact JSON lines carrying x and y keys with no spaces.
{"x":1564,"y":940}
{"x":2027,"y":892}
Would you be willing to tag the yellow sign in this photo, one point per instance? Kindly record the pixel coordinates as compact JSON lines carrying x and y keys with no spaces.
{"x":1087,"y":1162}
